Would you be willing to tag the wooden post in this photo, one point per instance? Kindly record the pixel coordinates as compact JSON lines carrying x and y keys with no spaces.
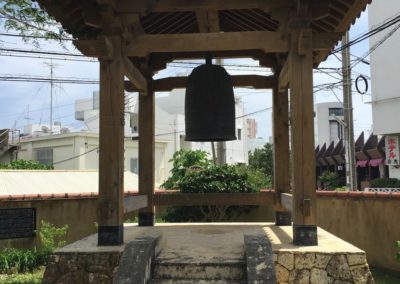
{"x":302,"y":138}
{"x":280,"y":127}
{"x":146,"y":155}
{"x":111,"y":152}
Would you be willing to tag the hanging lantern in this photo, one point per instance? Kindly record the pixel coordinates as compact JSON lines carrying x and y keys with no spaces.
{"x":209,"y":104}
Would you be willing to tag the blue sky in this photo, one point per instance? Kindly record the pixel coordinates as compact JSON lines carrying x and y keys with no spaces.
{"x":15,"y":97}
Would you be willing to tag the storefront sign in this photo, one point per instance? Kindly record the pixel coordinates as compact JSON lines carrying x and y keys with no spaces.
{"x":392,"y":150}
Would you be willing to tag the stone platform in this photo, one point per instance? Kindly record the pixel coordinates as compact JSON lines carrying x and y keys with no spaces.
{"x":332,"y":261}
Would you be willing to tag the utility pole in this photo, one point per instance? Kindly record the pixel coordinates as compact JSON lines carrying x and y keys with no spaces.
{"x":52,"y":66}
{"x":351,"y":174}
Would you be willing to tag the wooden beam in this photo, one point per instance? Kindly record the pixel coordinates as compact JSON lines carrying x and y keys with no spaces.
{"x":133,"y":203}
{"x":129,"y":6}
{"x":168,"y":84}
{"x":195,"y":199}
{"x":143,"y":45}
{"x":95,"y":48}
{"x":208,"y":21}
{"x":280,"y":127}
{"x":302,"y":135}
{"x":283,"y":80}
{"x":147,"y":156}
{"x":111,"y":151}
{"x":135,"y":76}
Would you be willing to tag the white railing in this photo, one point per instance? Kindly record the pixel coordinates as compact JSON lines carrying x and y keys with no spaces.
{"x":383,"y":189}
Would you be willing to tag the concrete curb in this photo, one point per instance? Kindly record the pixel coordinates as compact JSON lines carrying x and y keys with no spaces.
{"x":259,"y":259}
{"x":137,"y":261}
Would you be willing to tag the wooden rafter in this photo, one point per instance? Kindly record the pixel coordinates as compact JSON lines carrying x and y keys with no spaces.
{"x":129,"y":6}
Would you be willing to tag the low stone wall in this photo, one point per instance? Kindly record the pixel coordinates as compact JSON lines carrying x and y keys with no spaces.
{"x":82,"y":267}
{"x":321,"y":268}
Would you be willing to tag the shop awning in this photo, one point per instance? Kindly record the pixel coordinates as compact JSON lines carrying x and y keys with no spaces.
{"x":362,"y":164}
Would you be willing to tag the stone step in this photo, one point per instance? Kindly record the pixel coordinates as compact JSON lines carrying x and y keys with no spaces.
{"x":221,"y":271}
{"x":198,"y":281}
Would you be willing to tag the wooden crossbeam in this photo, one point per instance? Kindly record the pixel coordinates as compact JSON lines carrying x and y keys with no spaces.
{"x":143,"y":45}
{"x":135,"y":76}
{"x":194,"y":199}
{"x":129,"y":6}
{"x":258,"y":40}
{"x":133,"y":203}
{"x":168,"y":84}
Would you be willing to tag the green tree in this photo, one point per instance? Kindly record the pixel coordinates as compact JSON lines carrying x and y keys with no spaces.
{"x":28,"y":19}
{"x":263,"y":159}
{"x":183,"y":161}
{"x":25,"y":165}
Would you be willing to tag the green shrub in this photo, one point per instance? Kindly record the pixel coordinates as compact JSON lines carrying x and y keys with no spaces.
{"x":214,"y":179}
{"x":397,"y":245}
{"x":14,"y":260}
{"x":385,"y":183}
{"x":331,"y":180}
{"x":25,"y":165}
{"x":182,"y":161}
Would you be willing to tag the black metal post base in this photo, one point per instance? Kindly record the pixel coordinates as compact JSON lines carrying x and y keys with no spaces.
{"x":110,"y":235}
{"x":283,"y":218}
{"x":146,"y":219}
{"x":305,"y":235}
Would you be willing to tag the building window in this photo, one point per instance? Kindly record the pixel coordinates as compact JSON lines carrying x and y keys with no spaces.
{"x":336,"y":111}
{"x":44,"y":156}
{"x":239,"y":134}
{"x":135,"y":165}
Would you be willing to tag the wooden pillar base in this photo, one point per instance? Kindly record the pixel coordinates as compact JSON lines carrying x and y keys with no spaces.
{"x":146,"y":219}
{"x":305,"y":235}
{"x":110,"y":235}
{"x":283,"y":218}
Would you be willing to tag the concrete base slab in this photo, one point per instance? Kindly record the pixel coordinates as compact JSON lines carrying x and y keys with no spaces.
{"x":333,"y":259}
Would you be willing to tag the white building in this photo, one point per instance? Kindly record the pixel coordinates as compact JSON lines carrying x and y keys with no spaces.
{"x":327,"y":126}
{"x":79,"y":151}
{"x":385,"y":65}
{"x":236,"y":151}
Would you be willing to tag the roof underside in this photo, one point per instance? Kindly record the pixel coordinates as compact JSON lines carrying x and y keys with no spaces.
{"x":179,"y":17}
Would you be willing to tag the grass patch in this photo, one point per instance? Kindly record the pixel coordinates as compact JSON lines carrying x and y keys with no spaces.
{"x":33,"y":277}
{"x":384,"y":276}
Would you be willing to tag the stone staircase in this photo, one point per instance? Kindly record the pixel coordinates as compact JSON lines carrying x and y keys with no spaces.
{"x":197,"y":255}
{"x":189,"y":271}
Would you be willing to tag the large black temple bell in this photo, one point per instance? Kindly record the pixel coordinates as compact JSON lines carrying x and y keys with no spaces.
{"x":209,"y":104}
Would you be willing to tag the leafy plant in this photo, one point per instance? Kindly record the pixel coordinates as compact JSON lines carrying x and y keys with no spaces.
{"x":51,"y":236}
{"x":34,"y":277}
{"x":331,"y":180}
{"x":385,"y":183}
{"x":263,"y":159}
{"x":397,"y":245}
{"x":214,"y":179}
{"x":183,"y":161}
{"x":14,"y":260}
{"x":25,"y":165}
